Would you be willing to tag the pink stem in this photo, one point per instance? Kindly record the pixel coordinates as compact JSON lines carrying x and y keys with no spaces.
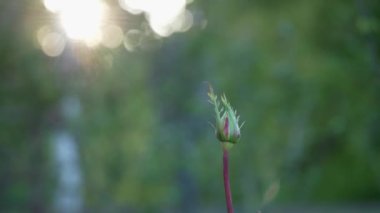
{"x":227,"y":188}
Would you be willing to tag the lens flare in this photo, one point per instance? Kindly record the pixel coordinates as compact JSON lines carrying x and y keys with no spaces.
{"x":52,"y":43}
{"x":112,"y":36}
{"x":81,"y":20}
{"x":165,"y":16}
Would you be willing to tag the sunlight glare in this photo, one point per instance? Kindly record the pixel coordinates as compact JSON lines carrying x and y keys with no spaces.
{"x":112,"y":36}
{"x":82,"y":20}
{"x":165,"y":17}
{"x":53,"y":5}
{"x":52,"y":43}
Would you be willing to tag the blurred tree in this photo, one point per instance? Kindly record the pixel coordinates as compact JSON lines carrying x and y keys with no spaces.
{"x":28,"y":93}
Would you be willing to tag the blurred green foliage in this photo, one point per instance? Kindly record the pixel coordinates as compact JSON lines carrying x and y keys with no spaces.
{"x":304,"y":75}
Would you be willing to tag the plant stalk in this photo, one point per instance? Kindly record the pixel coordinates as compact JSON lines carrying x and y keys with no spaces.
{"x":226,"y":177}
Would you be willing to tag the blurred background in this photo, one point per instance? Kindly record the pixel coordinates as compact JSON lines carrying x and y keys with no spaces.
{"x":103,"y":105}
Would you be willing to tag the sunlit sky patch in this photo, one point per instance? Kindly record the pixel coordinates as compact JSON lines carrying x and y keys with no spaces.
{"x":89,"y":22}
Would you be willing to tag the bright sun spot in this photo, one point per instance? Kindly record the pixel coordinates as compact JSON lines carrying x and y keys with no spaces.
{"x":165,"y":16}
{"x":86,"y":21}
{"x":82,"y":20}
